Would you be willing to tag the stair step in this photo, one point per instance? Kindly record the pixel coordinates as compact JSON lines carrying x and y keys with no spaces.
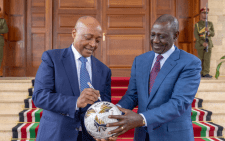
{"x":13,"y":95}
{"x":216,"y":106}
{"x":17,"y":85}
{"x":206,"y":129}
{"x":9,"y":118}
{"x":118,"y":91}
{"x":119,"y":81}
{"x":200,"y":115}
{"x":5,"y":135}
{"x":219,"y":118}
{"x":6,"y":126}
{"x":211,"y":95}
{"x":7,"y":107}
{"x":30,"y":91}
{"x":210,"y":139}
{"x":207,"y":85}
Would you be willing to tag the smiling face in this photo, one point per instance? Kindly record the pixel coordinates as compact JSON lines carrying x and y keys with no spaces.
{"x":87,"y":36}
{"x":162,"y":37}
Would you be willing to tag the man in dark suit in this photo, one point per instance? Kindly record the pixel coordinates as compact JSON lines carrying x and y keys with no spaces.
{"x":61,"y":84}
{"x":163,"y":84}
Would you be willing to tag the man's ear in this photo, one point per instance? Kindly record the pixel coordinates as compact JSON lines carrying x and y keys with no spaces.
{"x":74,"y":33}
{"x":175,"y":36}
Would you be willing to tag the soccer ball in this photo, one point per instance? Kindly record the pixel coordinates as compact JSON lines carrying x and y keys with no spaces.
{"x":96,"y":118}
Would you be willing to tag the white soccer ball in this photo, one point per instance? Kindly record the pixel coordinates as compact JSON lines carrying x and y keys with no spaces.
{"x":96,"y":118}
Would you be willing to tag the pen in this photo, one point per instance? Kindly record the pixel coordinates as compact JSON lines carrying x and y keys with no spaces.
{"x":89,"y":84}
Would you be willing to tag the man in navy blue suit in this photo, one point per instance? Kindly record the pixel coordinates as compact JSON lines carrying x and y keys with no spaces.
{"x":61,"y":84}
{"x":163,"y":84}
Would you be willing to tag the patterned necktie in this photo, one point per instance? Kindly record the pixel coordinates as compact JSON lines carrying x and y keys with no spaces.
{"x":84,"y":75}
{"x":154,"y":72}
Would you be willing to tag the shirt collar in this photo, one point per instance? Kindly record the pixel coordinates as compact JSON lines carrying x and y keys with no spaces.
{"x":166,"y":54}
{"x":78,"y":55}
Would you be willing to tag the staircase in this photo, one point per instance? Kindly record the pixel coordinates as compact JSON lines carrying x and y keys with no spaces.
{"x":12,"y":93}
{"x":19,"y":114}
{"x":213,"y":93}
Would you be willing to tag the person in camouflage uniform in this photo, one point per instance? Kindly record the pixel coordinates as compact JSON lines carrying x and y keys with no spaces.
{"x":3,"y":29}
{"x":200,"y":32}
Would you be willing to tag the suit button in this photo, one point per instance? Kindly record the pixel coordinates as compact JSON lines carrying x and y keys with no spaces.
{"x":77,"y":129}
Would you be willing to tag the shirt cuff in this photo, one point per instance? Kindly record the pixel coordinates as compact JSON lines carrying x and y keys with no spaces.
{"x":119,"y":105}
{"x":144,"y":119}
{"x":76,"y":107}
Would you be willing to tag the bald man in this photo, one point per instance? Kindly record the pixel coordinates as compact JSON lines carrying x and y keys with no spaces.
{"x":61,"y":84}
{"x":163,"y":84}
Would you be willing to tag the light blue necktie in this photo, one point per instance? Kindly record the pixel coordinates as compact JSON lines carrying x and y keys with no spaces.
{"x":84,"y":76}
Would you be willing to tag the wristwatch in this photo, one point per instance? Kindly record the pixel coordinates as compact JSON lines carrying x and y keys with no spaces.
{"x":143,"y":122}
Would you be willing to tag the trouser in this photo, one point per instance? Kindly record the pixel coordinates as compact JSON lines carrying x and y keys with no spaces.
{"x":205,"y":59}
{"x":79,"y":138}
{"x":147,"y":137}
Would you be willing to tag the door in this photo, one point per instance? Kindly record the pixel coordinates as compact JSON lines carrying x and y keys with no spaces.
{"x":39,"y":32}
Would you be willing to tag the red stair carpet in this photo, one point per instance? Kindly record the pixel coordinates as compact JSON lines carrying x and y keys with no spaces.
{"x":29,"y":118}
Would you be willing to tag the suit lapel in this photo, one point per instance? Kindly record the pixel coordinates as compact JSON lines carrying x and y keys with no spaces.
{"x":71,"y":70}
{"x":164,"y":71}
{"x":96,"y":73}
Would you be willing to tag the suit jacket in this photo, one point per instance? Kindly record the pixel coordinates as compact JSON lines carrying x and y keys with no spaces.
{"x":56,"y":91}
{"x":168,"y":108}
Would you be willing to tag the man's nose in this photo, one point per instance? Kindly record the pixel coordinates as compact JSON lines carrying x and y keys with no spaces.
{"x":93,"y":43}
{"x":156,"y":39}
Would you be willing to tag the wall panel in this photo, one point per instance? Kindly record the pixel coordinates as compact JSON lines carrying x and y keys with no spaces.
{"x":39,"y":31}
{"x":125,"y":25}
{"x":38,"y":45}
{"x":165,"y":7}
{"x":77,"y":3}
{"x":69,"y":20}
{"x":126,"y":21}
{"x":126,"y":3}
{"x":14,"y":58}
{"x":38,"y":3}
{"x":17,"y":7}
{"x":38,"y":20}
{"x":121,"y":49}
{"x":64,"y":40}
{"x":15,"y":45}
{"x":16,"y":32}
{"x":185,"y":26}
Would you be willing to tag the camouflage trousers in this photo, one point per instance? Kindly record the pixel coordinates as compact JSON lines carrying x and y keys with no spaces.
{"x":205,"y":59}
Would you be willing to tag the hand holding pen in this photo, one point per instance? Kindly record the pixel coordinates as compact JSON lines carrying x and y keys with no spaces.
{"x":88,"y":96}
{"x":89,"y":84}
